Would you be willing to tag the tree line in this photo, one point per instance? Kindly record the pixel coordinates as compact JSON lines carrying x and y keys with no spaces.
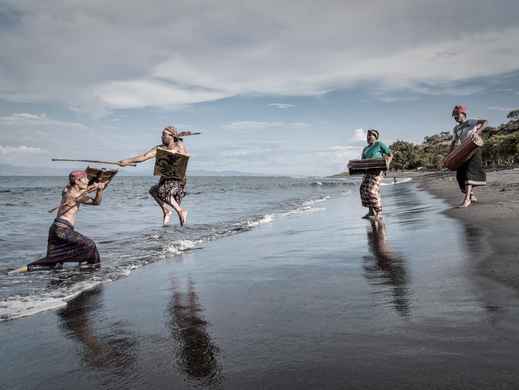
{"x":500,"y":150}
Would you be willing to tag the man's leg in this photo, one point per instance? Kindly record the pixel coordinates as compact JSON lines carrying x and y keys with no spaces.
{"x":182,"y":213}
{"x":468,"y":196}
{"x":166,"y":210}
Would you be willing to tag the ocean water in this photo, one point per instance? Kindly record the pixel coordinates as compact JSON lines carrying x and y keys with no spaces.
{"x":127,"y":227}
{"x":276,"y":283}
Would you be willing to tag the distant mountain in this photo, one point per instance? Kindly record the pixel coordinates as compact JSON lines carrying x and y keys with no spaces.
{"x":12,"y":170}
{"x":201,"y":172}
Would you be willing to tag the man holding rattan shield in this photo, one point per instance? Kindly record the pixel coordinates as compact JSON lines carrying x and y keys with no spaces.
{"x":170,"y":164}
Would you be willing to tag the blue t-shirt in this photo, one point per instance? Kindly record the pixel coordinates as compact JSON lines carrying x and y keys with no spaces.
{"x":464,"y":130}
{"x":376,"y":150}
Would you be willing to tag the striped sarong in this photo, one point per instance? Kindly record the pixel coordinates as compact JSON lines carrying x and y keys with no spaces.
{"x":370,"y":190}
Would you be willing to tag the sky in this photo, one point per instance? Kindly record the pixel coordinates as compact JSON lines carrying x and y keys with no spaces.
{"x":276,"y":87}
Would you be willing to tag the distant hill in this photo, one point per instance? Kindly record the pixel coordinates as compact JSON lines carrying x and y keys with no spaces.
{"x":13,"y":170}
{"x":501,"y":148}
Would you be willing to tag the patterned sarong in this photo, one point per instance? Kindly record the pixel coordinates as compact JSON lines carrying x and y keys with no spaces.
{"x":67,"y":245}
{"x":168,"y":189}
{"x":370,"y":190}
{"x":471,"y":172}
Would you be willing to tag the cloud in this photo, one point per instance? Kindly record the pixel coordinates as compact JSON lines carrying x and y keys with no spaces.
{"x":21,"y":154}
{"x":9,"y":150}
{"x":500,"y":108}
{"x":257,"y":125}
{"x":359,"y":135}
{"x":281,"y":106}
{"x":95,"y":57}
{"x":151,"y":93}
{"x":30,"y":138}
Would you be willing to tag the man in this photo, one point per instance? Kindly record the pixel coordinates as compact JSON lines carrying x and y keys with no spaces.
{"x":471,"y":173}
{"x":64,"y":243}
{"x":170,"y":190}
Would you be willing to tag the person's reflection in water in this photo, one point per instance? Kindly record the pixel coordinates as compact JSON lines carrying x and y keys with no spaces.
{"x":115,"y":350}
{"x":385,"y":268}
{"x":493,"y":303}
{"x":196,"y":354}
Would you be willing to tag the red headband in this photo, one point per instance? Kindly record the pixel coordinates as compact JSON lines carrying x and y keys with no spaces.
{"x":459,"y":109}
{"x":77,"y":175}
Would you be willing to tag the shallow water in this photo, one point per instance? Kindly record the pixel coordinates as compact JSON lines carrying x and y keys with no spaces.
{"x":320,"y":299}
{"x":127,"y":227}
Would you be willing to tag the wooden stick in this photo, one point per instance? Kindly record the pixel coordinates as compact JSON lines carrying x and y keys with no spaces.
{"x":89,"y":189}
{"x":93,"y":161}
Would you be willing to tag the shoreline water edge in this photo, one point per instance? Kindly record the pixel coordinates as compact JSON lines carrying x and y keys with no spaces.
{"x":495,"y":215}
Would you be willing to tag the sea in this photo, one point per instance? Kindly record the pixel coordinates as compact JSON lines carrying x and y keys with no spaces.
{"x":128,"y":230}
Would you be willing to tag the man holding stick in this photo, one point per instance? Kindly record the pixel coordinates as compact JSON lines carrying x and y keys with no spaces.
{"x":471,"y":173}
{"x":64,"y":243}
{"x":170,"y":190}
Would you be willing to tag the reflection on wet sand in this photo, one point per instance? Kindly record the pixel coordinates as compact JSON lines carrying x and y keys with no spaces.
{"x":384,"y":268}
{"x":196,"y":354}
{"x":116,"y":349}
{"x":494,"y":303}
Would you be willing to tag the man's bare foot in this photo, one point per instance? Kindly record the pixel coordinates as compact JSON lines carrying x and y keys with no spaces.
{"x":466,"y":203}
{"x":473,"y":198}
{"x":167,"y":217}
{"x":182,"y":217}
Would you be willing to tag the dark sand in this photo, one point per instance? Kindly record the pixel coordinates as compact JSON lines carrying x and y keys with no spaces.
{"x":496,"y":214}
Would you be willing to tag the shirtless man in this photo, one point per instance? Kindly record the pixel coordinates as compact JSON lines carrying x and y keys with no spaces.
{"x":168,"y":193}
{"x":64,"y":243}
{"x":471,"y":173}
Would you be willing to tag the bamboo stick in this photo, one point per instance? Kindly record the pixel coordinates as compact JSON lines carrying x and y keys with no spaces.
{"x":93,"y":161}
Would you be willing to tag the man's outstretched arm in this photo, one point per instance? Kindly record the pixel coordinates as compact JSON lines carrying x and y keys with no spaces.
{"x":140,"y":158}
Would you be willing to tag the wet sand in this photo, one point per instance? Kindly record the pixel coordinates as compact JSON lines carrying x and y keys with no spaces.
{"x":496,"y":214}
{"x":323,"y":300}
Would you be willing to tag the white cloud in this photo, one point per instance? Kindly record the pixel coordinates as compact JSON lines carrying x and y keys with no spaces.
{"x":29,"y":139}
{"x":184,"y":52}
{"x":148,"y":93}
{"x":23,"y":149}
{"x":21,"y":154}
{"x":281,"y":106}
{"x":359,"y":135}
{"x":37,"y":122}
{"x":257,"y":125}
{"x":500,"y":108}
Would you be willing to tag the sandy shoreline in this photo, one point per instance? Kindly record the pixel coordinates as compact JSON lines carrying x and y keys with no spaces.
{"x":496,"y":213}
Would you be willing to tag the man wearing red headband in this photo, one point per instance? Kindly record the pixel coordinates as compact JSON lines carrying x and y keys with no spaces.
{"x":471,"y":173}
{"x":64,"y":243}
{"x":169,"y":192}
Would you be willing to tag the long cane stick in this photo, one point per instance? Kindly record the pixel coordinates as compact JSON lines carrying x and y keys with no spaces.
{"x":93,"y":161}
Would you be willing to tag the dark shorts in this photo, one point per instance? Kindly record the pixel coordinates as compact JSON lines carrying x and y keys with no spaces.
{"x":471,"y":172}
{"x":66,"y":245}
{"x":168,"y":189}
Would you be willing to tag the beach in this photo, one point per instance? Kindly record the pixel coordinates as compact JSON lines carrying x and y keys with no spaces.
{"x":495,"y":216}
{"x":311,"y":297}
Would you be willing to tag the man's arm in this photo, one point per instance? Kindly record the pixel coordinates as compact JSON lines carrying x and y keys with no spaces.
{"x":85,"y":199}
{"x":480,"y":125}
{"x":140,"y":158}
{"x":182,"y":148}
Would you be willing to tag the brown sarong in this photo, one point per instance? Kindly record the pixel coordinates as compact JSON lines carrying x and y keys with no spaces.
{"x":66,"y":245}
{"x":370,"y":190}
{"x":168,"y":189}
